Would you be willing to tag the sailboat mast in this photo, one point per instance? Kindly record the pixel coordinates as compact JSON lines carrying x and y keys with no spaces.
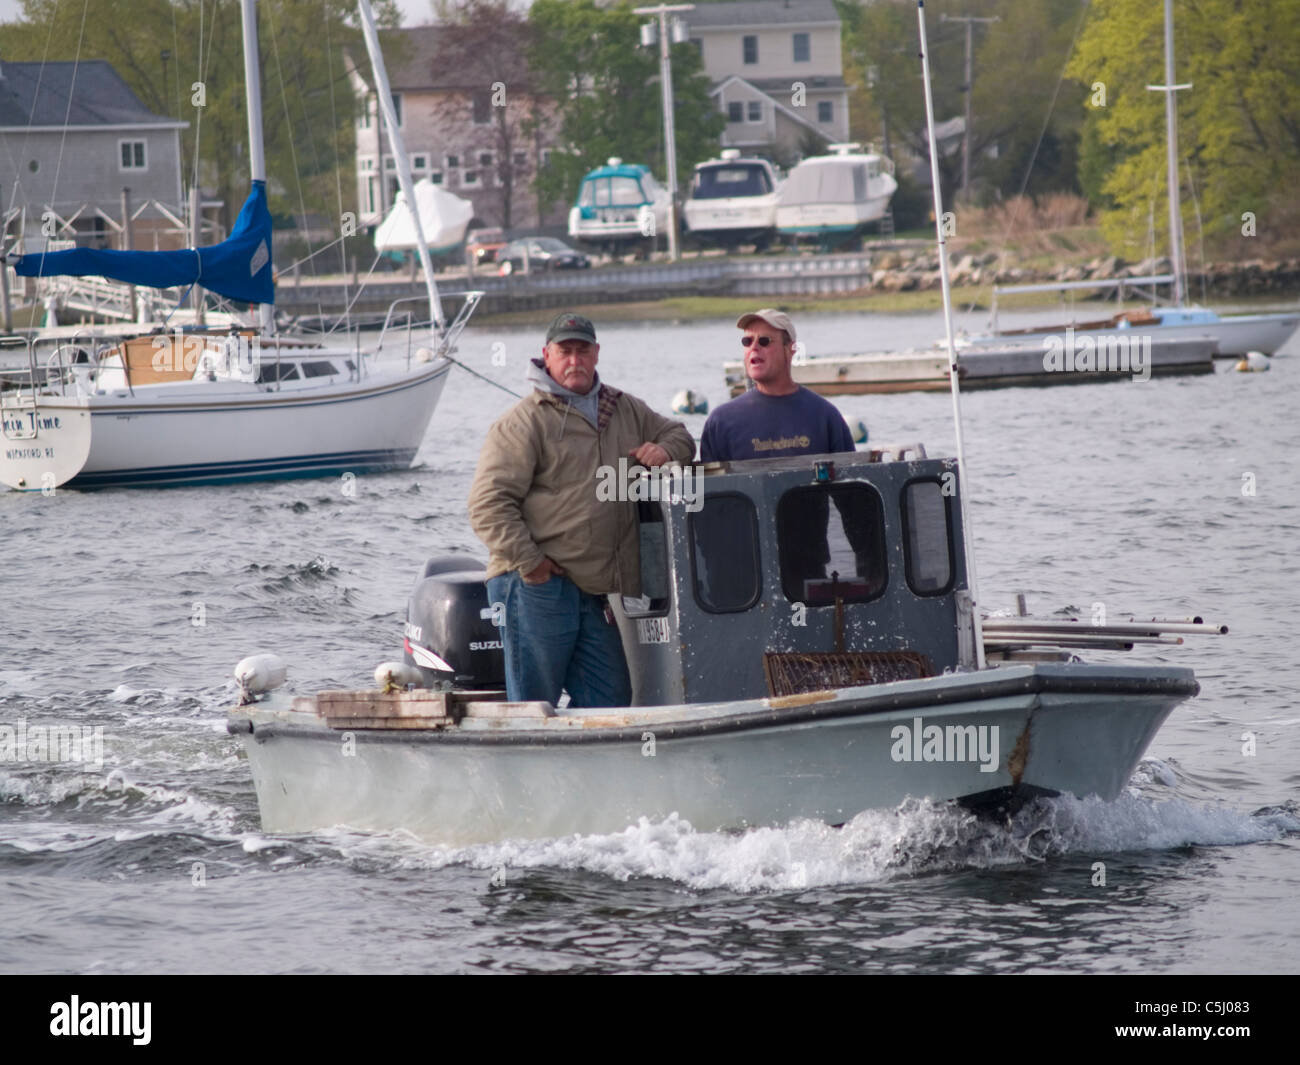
{"x":256,"y":147}
{"x":1171,"y":127}
{"x":399,"y":157}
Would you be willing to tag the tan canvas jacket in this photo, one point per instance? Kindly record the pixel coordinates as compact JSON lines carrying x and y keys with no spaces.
{"x":534,"y":492}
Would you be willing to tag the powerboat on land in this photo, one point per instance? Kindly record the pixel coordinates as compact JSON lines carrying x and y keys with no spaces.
{"x":853,"y":673}
{"x":732,"y":201}
{"x":618,"y":206}
{"x":833,"y":197}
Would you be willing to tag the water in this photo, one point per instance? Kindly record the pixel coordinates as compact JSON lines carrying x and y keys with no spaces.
{"x":1127,"y":495}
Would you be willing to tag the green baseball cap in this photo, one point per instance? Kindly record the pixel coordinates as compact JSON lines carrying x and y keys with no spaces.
{"x":571,"y":327}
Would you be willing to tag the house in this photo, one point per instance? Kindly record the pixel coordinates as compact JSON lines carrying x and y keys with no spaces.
{"x":72,"y":136}
{"x":465,"y":127}
{"x":777,"y":73}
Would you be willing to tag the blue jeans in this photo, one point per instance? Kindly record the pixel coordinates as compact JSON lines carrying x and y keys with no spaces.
{"x":556,"y":638}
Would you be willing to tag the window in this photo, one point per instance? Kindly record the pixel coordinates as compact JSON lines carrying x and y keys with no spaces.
{"x":435,"y":177}
{"x":654,"y":563}
{"x":363,"y":116}
{"x":390,"y":163}
{"x":756,"y":110}
{"x":419,"y":162}
{"x":724,"y":553}
{"x":453,"y":161}
{"x":132,"y":155}
{"x":393,"y":187}
{"x":829,"y":553}
{"x":485,"y":159}
{"x":825,"y":111}
{"x":270,"y":372}
{"x":367,"y":163}
{"x":927,"y":543}
{"x":520,"y":161}
{"x":719,"y":182}
{"x":370,"y":195}
{"x":318,"y":369}
{"x":735,"y":111}
{"x":470,"y":177}
{"x":802,"y":51}
{"x":481,"y":107}
{"x":397,"y":108}
{"x":749,"y":49}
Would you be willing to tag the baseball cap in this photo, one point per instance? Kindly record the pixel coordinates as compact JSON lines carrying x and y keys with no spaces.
{"x":571,"y":327}
{"x":776,"y":319}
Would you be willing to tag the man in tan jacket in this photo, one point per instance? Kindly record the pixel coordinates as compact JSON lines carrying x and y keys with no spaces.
{"x":557,"y":548}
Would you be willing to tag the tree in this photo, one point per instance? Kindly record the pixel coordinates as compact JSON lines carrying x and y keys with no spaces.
{"x":605,"y":86}
{"x":483,"y":46}
{"x":185,"y":59}
{"x":1238,"y":126}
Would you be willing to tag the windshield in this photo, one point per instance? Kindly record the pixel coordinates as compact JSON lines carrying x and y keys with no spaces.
{"x":718,"y":182}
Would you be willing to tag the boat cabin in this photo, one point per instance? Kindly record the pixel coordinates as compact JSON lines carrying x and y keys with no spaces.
{"x":620,"y":201}
{"x":773,"y":577}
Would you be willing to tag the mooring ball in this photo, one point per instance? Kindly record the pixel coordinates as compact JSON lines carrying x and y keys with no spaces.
{"x":1253,"y":362}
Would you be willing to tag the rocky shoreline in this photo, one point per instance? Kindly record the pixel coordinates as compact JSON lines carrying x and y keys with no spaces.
{"x":904,"y":271}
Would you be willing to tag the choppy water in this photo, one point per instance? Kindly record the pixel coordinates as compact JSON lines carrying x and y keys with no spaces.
{"x":1128,"y":495}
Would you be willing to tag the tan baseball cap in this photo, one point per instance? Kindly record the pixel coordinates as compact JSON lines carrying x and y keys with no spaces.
{"x":776,"y":319}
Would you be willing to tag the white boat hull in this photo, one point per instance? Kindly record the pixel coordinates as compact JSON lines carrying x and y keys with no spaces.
{"x":1236,"y":335}
{"x":826,"y":755}
{"x":194,"y":433}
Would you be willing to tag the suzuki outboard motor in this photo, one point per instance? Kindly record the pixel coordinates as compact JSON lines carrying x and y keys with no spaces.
{"x":450,"y":636}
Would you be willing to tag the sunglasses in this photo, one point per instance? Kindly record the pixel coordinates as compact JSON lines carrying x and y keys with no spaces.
{"x":762,"y":341}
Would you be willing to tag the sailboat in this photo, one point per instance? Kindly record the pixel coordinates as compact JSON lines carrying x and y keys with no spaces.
{"x":1236,"y":335}
{"x":220,"y":406}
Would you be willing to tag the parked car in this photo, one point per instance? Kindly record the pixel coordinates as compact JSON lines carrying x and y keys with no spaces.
{"x":482,"y":245}
{"x":542,"y":253}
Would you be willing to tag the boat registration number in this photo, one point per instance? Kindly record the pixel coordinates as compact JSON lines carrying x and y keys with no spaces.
{"x":652,"y":630}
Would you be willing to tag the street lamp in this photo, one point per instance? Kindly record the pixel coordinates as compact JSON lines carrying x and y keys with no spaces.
{"x":677,"y":35}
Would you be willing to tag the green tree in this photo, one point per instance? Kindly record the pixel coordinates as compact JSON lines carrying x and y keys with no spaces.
{"x":1238,"y":126}
{"x":589,"y":60}
{"x":179,"y":54}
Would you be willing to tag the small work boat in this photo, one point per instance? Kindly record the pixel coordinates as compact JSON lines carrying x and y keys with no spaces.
{"x":805,"y":647}
{"x":732,"y":201}
{"x":619,"y":205}
{"x":834,"y":197}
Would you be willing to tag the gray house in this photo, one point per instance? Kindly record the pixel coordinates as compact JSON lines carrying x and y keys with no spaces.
{"x":72,"y":137}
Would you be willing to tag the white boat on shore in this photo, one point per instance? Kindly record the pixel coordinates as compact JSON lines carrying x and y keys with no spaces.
{"x":832,"y":197}
{"x":215,"y":407}
{"x":732,"y":201}
{"x":855,"y":675}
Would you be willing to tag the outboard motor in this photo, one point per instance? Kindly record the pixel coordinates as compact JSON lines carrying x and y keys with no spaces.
{"x":450,"y":636}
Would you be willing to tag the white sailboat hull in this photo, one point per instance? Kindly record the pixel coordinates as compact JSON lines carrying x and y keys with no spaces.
{"x":224,"y":431}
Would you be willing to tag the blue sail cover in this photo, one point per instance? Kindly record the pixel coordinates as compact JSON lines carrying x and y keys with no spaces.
{"x":238,"y":268}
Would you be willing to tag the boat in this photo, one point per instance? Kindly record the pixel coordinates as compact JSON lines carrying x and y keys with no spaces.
{"x":221,"y":406}
{"x":1011,"y":364}
{"x":619,"y":205}
{"x":855,"y":675}
{"x":444,"y":218}
{"x":832,"y":198}
{"x":1236,"y":335}
{"x":806,"y":644}
{"x":732,"y":201}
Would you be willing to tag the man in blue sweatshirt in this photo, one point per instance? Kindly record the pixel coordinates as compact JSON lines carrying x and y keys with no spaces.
{"x":777,"y":416}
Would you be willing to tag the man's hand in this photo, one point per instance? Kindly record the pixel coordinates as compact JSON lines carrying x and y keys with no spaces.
{"x":543,"y":572}
{"x":650,"y":455}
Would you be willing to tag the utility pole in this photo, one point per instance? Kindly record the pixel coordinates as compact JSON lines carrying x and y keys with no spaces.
{"x":666,"y":41}
{"x":968,"y":88}
{"x":1171,"y":155}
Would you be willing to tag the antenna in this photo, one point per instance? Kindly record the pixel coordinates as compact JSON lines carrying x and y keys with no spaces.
{"x":967,"y":539}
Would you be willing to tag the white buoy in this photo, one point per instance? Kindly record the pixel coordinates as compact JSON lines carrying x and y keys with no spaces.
{"x":396,"y":676}
{"x":1253,"y":362}
{"x":423,"y":354}
{"x":688,"y":402}
{"x":257,"y":674}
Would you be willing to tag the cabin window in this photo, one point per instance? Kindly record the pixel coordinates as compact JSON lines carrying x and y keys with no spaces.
{"x":653,"y":542}
{"x":270,"y":372}
{"x":825,"y":112}
{"x":724,"y":553}
{"x":132,"y":153}
{"x":735,"y":111}
{"x":927,"y":538}
{"x":749,"y":49}
{"x":831,"y":540}
{"x":720,"y":182}
{"x":802,"y":51}
{"x":318,"y":369}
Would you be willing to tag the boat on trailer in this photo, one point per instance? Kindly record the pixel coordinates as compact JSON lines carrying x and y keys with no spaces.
{"x":805,"y":647}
